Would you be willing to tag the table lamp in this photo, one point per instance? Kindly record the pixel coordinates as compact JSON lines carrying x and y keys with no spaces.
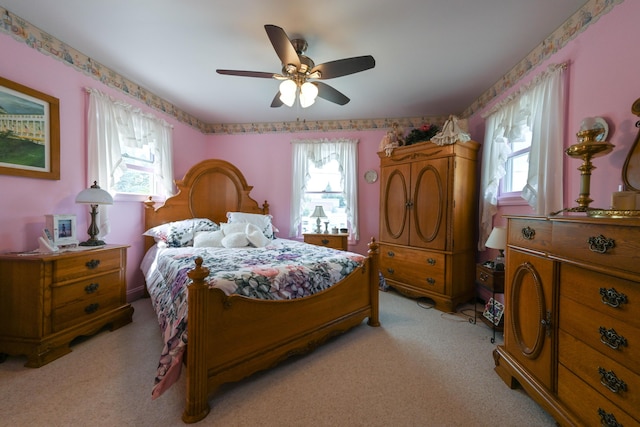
{"x":498,"y":240}
{"x":94,"y":196}
{"x":318,"y":213}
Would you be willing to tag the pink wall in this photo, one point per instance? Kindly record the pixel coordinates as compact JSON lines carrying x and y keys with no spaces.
{"x":603,"y":81}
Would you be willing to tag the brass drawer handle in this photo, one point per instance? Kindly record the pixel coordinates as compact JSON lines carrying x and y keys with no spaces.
{"x":91,"y":308}
{"x":611,"y":381}
{"x":325,"y":241}
{"x":93,"y":264}
{"x":600,"y":244}
{"x":484,"y":276}
{"x":431,"y":261}
{"x":91,"y":288}
{"x":391,"y":254}
{"x":528,"y":233}
{"x":612,"y":298}
{"x":607,"y":419}
{"x":390,"y":270}
{"x":431,"y":280}
{"x":610,"y":338}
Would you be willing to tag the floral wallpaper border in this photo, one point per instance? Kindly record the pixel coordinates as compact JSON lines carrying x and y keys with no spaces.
{"x":22,"y":30}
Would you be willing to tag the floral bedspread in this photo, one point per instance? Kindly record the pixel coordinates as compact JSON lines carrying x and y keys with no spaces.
{"x":284,"y":269}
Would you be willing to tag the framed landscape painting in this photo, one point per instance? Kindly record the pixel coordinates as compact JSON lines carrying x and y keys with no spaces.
{"x":29,"y":132}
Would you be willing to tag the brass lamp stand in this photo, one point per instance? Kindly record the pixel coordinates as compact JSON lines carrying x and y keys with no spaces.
{"x":587,"y":148}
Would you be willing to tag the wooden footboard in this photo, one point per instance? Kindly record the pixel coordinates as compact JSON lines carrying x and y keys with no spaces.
{"x":231,"y":337}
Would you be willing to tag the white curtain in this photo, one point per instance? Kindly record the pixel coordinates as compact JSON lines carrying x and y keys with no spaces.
{"x":321,"y":151}
{"x":540,"y":106}
{"x":113,"y":124}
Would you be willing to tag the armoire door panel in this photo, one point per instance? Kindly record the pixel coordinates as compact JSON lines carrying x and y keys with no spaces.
{"x":395,"y":204}
{"x":429,"y":204}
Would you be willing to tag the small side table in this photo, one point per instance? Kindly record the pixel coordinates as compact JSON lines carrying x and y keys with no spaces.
{"x":492,"y":280}
{"x":335,"y":241}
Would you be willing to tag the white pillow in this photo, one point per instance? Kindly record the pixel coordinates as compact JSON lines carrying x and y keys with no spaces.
{"x":262,"y":221}
{"x":235,"y":240}
{"x":255,"y":236}
{"x":208,"y":239}
{"x":229,"y":228}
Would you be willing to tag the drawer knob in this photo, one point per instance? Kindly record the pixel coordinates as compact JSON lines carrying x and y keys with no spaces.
{"x":600,"y":244}
{"x":390,"y":270}
{"x":484,"y":276}
{"x":325,"y":241}
{"x":91,"y":288}
{"x":611,"y":381}
{"x":612,"y":298}
{"x":611,"y":338}
{"x":431,"y":280}
{"x":431,"y":261}
{"x":92,"y":264}
{"x":91,"y":308}
{"x":391,"y":254}
{"x":607,"y":419}
{"x":528,"y":233}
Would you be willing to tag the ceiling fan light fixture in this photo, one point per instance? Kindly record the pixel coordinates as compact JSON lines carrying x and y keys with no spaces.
{"x":308,"y":94}
{"x":288,"y":89}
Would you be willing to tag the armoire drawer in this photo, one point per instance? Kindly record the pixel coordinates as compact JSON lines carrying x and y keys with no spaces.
{"x":586,"y":403}
{"x":93,"y":262}
{"x":418,"y":268}
{"x":615,"y":297}
{"x":614,"y":338}
{"x":609,"y":378}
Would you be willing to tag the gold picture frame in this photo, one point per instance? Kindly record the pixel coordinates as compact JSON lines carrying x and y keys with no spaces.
{"x":29,"y":132}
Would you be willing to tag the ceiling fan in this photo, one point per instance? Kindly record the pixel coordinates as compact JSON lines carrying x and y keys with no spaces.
{"x":298,"y":69}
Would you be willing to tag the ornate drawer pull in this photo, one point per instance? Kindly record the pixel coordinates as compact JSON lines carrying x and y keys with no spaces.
{"x":600,"y":244}
{"x":484,"y":276}
{"x":390,"y":270}
{"x":391,"y":254}
{"x":431,"y":261}
{"x":612,"y":298}
{"x":91,"y":288}
{"x":92,"y":264}
{"x":431,"y":280}
{"x":325,"y":241}
{"x":528,"y":233}
{"x":607,"y":419}
{"x":611,"y":381}
{"x":611,"y":338}
{"x":91,"y":308}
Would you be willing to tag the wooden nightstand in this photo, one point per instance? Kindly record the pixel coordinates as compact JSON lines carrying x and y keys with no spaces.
{"x":47,"y":300}
{"x":493,"y":281}
{"x":336,"y":241}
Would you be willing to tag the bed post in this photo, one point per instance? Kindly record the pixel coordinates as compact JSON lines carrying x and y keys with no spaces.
{"x":374,"y":282}
{"x":197,"y":405}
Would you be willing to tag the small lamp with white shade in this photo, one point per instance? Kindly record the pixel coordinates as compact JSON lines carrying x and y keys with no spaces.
{"x":318,"y":213}
{"x":94,"y":196}
{"x":498,"y":240}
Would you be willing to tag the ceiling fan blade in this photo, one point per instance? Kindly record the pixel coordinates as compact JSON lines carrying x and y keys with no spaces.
{"x":282,"y":45}
{"x":330,"y":94}
{"x":260,"y":74}
{"x":276,"y":101}
{"x":344,"y":67}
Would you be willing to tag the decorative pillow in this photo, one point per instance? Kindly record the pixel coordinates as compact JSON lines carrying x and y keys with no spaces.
{"x":236,"y":227}
{"x":262,"y":221}
{"x":181,"y":233}
{"x":235,"y":240}
{"x":208,"y":239}
{"x":255,"y":236}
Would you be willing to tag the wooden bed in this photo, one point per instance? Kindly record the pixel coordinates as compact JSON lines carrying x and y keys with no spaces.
{"x":224,"y":343}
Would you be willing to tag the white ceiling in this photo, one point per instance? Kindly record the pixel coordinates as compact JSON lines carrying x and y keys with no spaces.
{"x":433,"y":57}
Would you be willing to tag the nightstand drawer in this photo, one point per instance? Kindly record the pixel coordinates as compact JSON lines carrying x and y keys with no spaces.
{"x":92,"y":262}
{"x":490,"y":278}
{"x":79,"y":301}
{"x":335,"y":241}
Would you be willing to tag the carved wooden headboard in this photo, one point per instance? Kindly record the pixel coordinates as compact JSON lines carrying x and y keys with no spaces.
{"x":209,"y":189}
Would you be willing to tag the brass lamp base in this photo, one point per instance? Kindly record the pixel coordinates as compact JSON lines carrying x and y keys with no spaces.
{"x":93,"y":230}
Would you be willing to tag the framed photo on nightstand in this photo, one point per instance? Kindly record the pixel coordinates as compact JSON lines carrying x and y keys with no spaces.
{"x":63,"y":229}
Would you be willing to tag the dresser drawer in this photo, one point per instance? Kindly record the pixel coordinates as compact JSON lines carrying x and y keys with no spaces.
{"x":93,"y":262}
{"x":421,"y":269}
{"x":601,"y":332}
{"x":79,"y":301}
{"x":530,"y":233}
{"x":610,"y":246}
{"x":612,"y":380}
{"x":587,"y":404}
{"x":615,"y":297}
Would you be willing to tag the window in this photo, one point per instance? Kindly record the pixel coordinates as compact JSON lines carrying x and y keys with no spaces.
{"x":324,"y":188}
{"x":325,"y":174}
{"x":517,"y":164}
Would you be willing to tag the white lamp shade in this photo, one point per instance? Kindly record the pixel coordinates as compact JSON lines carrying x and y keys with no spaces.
{"x":497,"y":239}
{"x":94,"y":195}
{"x":308,"y":94}
{"x":288,"y":89}
{"x":318,"y":212}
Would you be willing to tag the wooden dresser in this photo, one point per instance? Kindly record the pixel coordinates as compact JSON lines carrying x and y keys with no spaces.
{"x":572,"y":319}
{"x":428,"y":210}
{"x":47,"y":300}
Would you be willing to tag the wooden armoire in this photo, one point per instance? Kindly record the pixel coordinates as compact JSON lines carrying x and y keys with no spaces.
{"x":428,"y":205}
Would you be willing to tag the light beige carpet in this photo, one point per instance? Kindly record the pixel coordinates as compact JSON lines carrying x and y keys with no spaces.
{"x":421,"y":368}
